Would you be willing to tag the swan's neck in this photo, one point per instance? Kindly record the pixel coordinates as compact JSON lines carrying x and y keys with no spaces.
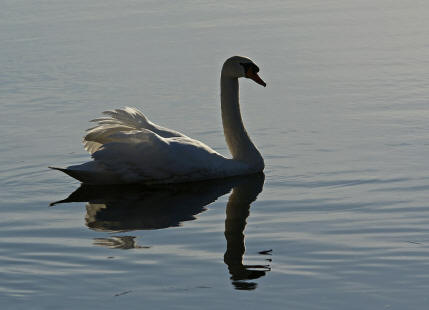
{"x":239,"y":143}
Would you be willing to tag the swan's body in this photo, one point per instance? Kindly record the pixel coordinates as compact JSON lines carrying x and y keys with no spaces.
{"x":128,"y":148}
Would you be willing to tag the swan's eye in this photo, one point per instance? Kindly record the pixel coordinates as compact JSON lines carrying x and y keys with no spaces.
{"x":250,"y":67}
{"x":255,"y":68}
{"x":251,"y":72}
{"x":246,"y":66}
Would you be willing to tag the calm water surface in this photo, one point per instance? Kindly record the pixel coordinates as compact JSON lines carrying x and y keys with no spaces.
{"x":339,"y":221}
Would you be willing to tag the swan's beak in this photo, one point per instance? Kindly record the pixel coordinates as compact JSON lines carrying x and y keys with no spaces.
{"x":254,"y":76}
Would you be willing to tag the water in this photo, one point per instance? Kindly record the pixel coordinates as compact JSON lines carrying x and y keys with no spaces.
{"x":342,"y":126}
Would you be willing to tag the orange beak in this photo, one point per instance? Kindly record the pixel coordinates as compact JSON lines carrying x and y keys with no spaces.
{"x":254,"y":76}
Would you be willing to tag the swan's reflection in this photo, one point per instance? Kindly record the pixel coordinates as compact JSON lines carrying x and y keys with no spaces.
{"x":125,"y":208}
{"x":237,"y":211}
{"x":119,"y":242}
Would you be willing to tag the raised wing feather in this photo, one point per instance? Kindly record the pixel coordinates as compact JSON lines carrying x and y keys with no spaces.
{"x":121,"y":120}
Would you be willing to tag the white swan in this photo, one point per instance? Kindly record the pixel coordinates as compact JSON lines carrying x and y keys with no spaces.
{"x":128,"y":148}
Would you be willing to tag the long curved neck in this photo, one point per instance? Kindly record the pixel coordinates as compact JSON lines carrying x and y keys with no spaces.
{"x":239,"y":143}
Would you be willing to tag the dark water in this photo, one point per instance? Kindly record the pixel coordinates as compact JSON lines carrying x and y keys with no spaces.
{"x":339,"y":221}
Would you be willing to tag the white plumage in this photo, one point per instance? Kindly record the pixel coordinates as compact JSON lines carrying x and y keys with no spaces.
{"x":128,"y":148}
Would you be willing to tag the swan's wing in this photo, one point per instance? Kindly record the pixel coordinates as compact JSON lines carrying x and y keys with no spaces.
{"x":121,"y":120}
{"x":142,"y":155}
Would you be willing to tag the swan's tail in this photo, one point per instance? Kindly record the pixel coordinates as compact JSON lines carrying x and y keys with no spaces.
{"x":90,"y":177}
{"x":60,"y":169}
{"x":73,"y":173}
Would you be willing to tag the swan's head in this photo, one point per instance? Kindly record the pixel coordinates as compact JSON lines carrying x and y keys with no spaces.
{"x":239,"y":66}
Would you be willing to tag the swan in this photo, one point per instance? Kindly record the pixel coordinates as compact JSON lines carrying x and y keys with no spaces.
{"x":127,"y":147}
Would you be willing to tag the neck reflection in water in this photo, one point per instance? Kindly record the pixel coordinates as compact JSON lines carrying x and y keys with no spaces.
{"x":237,"y":211}
{"x":126,"y":208}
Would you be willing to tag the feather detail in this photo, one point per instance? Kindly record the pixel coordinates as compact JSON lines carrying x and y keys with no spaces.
{"x":126,"y":119}
{"x":129,"y":116}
